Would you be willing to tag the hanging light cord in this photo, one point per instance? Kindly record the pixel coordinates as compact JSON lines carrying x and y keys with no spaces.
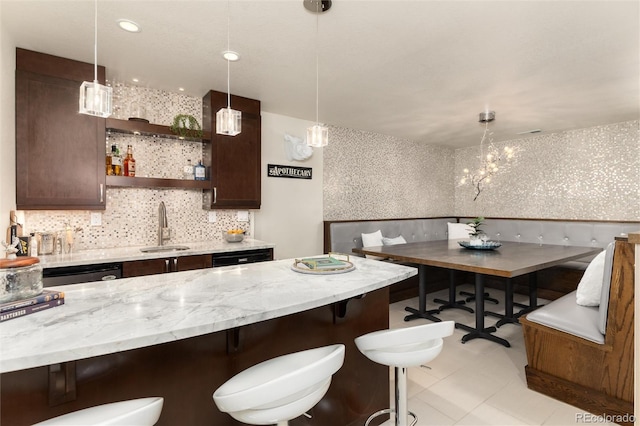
{"x":228,"y":49}
{"x":317,"y":55}
{"x":95,"y":42}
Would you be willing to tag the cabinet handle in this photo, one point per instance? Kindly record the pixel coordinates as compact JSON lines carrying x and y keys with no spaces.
{"x":175,"y":264}
{"x":215,"y":194}
{"x":166,"y":265}
{"x":102,"y":193}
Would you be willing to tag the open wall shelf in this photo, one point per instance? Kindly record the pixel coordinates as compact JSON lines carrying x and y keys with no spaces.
{"x":145,"y":182}
{"x":133,"y":127}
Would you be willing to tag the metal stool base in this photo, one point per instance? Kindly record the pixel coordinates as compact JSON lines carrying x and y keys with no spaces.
{"x":390,"y":411}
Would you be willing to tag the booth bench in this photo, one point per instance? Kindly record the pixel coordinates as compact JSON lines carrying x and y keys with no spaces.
{"x":583,"y":355}
{"x":343,"y":236}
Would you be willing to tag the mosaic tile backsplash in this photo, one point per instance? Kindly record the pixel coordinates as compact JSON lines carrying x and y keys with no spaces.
{"x":131,"y":215}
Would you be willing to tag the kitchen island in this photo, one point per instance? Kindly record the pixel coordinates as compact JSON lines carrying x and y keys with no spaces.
{"x":182,"y":335}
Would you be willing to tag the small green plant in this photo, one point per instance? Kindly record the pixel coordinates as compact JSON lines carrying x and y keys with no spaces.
{"x":187,"y":126}
{"x":475,"y":225}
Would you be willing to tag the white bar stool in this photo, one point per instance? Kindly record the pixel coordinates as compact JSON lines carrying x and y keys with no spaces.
{"x":402,"y":348}
{"x":133,"y":412}
{"x":280,"y":389}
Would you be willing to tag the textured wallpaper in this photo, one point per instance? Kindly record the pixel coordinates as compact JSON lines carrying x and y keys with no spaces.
{"x":373,"y":176}
{"x":590,"y":174}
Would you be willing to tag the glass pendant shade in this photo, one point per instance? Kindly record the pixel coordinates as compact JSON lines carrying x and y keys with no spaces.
{"x":318,"y":136}
{"x":228,"y":122}
{"x":95,"y":99}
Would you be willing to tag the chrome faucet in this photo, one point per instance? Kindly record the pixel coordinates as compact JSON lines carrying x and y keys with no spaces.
{"x":164,"y":233}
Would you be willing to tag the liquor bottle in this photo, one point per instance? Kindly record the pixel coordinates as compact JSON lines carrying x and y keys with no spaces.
{"x":108,"y":164}
{"x":116,"y":160}
{"x":187,"y":171}
{"x":200,"y":171}
{"x":129,"y":163}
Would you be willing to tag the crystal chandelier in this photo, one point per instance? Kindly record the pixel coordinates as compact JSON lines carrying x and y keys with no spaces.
{"x":95,"y":99}
{"x":318,"y":134}
{"x":491,"y":159}
{"x":228,"y":121}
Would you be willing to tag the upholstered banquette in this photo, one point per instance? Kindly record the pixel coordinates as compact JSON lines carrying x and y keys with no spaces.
{"x":344,"y":235}
{"x":583,"y":355}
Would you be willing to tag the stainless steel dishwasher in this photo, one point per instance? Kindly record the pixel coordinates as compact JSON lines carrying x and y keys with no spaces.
{"x":81,"y":274}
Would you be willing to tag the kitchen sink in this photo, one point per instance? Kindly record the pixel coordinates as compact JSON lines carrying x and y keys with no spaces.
{"x":158,"y":249}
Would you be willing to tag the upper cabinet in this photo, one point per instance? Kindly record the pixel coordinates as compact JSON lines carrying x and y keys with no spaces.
{"x":60,"y":153}
{"x":232,"y":162}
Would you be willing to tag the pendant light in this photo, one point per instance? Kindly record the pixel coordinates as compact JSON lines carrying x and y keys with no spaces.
{"x":228,"y":121}
{"x":494,"y":160}
{"x":95,"y":99}
{"x":318,"y":134}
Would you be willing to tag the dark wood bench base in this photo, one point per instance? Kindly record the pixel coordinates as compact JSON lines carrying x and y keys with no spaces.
{"x":598,"y":403}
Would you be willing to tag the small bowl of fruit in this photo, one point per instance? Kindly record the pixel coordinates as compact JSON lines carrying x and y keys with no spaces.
{"x":233,"y":235}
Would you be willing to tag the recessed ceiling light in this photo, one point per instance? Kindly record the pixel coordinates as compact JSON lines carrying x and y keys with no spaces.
{"x":128,"y":25}
{"x":230,"y":55}
{"x":181,"y":89}
{"x":135,"y":80}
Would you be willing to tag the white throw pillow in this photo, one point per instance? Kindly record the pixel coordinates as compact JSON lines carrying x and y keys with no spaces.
{"x":590,"y":286}
{"x":392,"y":241}
{"x":458,"y":230}
{"x":373,"y":239}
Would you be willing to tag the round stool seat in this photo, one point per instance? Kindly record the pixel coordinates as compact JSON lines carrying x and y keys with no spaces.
{"x":282,"y":388}
{"x":134,"y":412}
{"x":401,"y":348}
{"x":405,"y":347}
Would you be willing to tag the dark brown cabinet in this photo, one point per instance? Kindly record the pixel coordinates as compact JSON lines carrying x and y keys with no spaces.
{"x":60,"y":153}
{"x":232,"y":162}
{"x":138,"y":268}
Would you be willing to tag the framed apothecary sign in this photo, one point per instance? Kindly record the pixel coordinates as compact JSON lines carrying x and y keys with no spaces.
{"x":276,"y":170}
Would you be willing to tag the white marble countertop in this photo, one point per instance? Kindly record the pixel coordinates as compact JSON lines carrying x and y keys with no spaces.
{"x":105,"y":317}
{"x":123,"y":254}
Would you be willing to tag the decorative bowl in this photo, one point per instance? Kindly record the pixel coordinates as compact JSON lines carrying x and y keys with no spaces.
{"x":233,"y":237}
{"x":487,"y":245}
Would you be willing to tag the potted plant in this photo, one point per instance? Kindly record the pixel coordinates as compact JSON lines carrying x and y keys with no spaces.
{"x":477,"y":237}
{"x":186,"y":126}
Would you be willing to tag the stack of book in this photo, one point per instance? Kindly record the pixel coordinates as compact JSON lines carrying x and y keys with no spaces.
{"x":323,"y":263}
{"x":19,"y":308}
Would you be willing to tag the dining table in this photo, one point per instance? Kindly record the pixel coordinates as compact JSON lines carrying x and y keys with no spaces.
{"x":506,"y":259}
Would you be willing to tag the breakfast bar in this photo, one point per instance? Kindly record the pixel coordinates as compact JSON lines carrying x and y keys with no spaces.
{"x":181,"y":335}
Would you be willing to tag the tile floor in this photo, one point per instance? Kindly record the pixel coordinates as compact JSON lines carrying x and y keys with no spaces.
{"x":479,"y":382}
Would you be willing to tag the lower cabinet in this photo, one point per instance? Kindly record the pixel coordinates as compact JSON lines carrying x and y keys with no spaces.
{"x":138,"y":268}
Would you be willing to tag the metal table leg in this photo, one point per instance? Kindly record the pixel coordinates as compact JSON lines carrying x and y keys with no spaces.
{"x":480,"y":332}
{"x":508,"y":317}
{"x":452,"y":303}
{"x":422,"y":312}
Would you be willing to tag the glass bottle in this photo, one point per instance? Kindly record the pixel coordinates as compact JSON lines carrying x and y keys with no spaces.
{"x":109,"y":166}
{"x":187,"y":171}
{"x":199,"y":171}
{"x":129,"y":163}
{"x":116,"y":160}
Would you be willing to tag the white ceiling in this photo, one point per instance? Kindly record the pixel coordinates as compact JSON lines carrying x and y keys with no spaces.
{"x":417,"y":70}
